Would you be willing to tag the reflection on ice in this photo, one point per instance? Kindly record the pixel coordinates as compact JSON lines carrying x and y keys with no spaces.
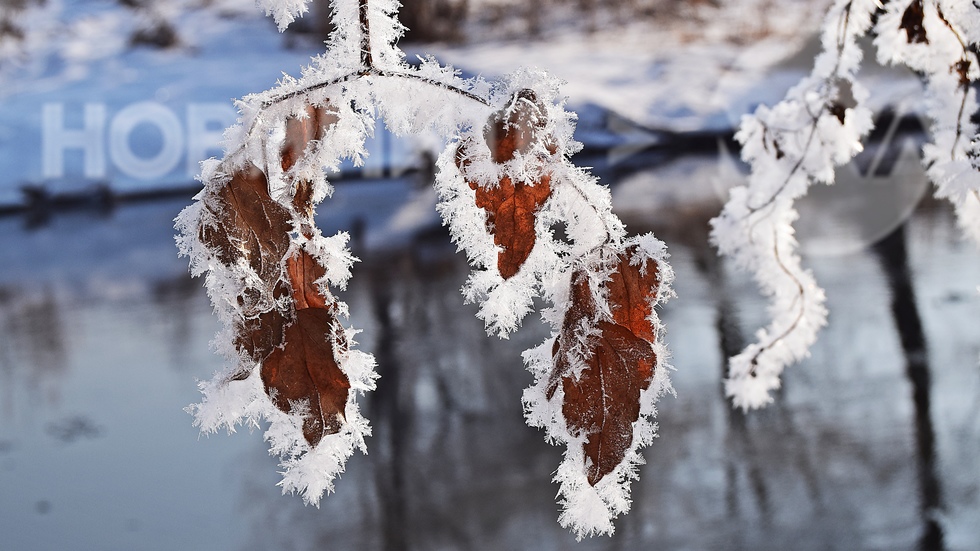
{"x":873,"y":443}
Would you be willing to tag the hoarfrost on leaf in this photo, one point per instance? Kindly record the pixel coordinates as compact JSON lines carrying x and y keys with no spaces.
{"x":504,"y":182}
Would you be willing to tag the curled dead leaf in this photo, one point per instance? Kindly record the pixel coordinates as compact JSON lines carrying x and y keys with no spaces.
{"x":912,"y":19}
{"x":511,"y":206}
{"x":303,"y":376}
{"x":300,"y":132}
{"x":247,"y":225}
{"x":258,"y":336}
{"x":516,"y":127}
{"x":604,"y":401}
{"x":603,"y":364}
{"x":578,"y":321}
{"x":288,"y":322}
{"x":511,"y":210}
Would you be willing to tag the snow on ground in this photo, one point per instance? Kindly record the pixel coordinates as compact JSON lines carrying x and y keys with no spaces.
{"x":699,"y":69}
{"x":680,"y":73}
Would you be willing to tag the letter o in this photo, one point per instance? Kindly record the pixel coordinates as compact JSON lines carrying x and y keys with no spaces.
{"x":173,"y":140}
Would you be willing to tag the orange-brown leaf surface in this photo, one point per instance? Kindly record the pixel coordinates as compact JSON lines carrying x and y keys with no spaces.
{"x":287,"y":323}
{"x":303,"y":271}
{"x":516,"y":127}
{"x":303,"y":376}
{"x":632,"y":291}
{"x":511,"y":206}
{"x":299,"y":133}
{"x":581,"y":308}
{"x":602,"y":400}
{"x":249,"y":225}
{"x":511,"y":210}
{"x":305,"y":370}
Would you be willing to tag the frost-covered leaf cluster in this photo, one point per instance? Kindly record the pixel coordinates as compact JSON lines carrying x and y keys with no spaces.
{"x":533,"y":226}
{"x":595,"y":241}
{"x":819,"y":126}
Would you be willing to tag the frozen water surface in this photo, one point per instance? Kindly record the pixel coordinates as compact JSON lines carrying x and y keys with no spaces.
{"x":103,"y":336}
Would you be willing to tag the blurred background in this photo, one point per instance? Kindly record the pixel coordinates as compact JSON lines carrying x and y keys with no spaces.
{"x":106,"y":107}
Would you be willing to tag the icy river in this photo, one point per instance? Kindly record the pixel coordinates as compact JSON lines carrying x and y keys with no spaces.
{"x":873,"y":443}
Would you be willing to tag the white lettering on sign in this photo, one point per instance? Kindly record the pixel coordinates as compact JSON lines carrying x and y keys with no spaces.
{"x":194,"y":141}
{"x":55,"y":139}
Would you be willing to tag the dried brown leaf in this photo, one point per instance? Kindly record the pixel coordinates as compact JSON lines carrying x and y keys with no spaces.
{"x":912,"y":20}
{"x":303,"y":271}
{"x":299,"y":133}
{"x":516,"y":127}
{"x":581,"y":310}
{"x":511,"y":210}
{"x":602,"y":400}
{"x":288,"y":323}
{"x":511,"y":207}
{"x":304,"y":378}
{"x":248,"y":224}
{"x":632,"y":291}
{"x":258,"y":336}
{"x":304,"y":373}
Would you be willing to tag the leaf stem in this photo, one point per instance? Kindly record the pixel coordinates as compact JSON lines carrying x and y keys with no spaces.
{"x":962,"y":67}
{"x":814,"y":118}
{"x":367,"y":61}
{"x":964,"y":79}
{"x":801,"y":293}
{"x":599,"y":213}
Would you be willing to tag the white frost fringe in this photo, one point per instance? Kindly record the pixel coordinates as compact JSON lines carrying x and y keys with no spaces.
{"x":790,"y":146}
{"x":412,"y":106}
{"x":800,"y":141}
{"x":590,"y":510}
{"x":308,"y":472}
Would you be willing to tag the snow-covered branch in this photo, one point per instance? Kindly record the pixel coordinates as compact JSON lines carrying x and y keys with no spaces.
{"x":934,"y":39}
{"x":819,"y":126}
{"x":790,"y":146}
{"x":505,"y":183}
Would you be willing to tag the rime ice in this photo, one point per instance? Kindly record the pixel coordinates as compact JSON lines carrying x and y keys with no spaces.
{"x":818,"y":126}
{"x":500,"y":205}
